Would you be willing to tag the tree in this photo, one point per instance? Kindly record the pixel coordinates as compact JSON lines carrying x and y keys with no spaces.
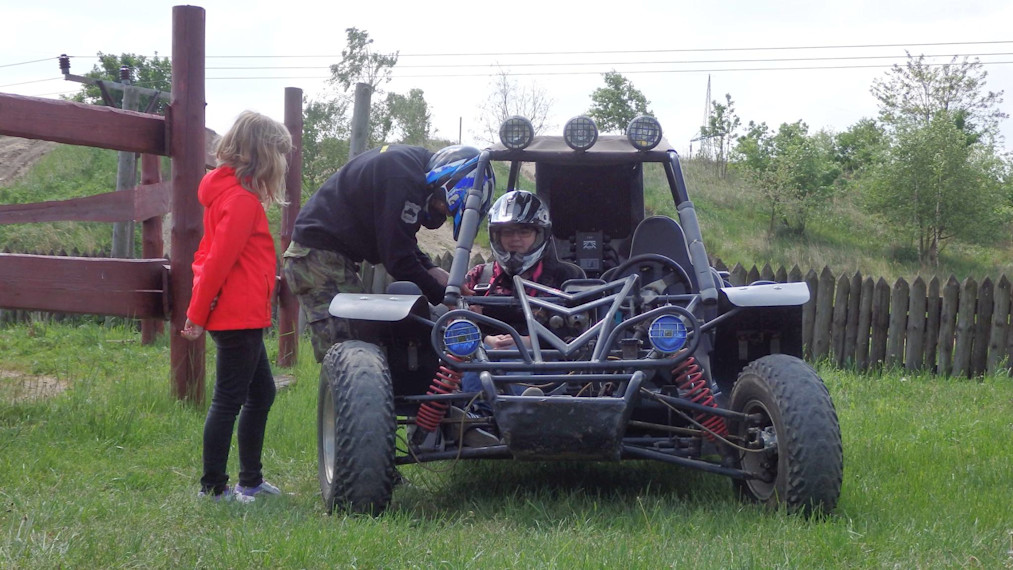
{"x":360,"y":65}
{"x":918,"y":91}
{"x":616,"y":104}
{"x":154,"y":73}
{"x":402,"y":119}
{"x":508,"y":98}
{"x":721,"y":126}
{"x":933,"y":186}
{"x":860,"y":148}
{"x":794,"y":171}
{"x":324,"y":139}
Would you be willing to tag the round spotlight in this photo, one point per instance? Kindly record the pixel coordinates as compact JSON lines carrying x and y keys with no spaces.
{"x":644,"y":132}
{"x":516,"y":132}
{"x":667,"y":334}
{"x":462,"y":338}
{"x":580,"y":133}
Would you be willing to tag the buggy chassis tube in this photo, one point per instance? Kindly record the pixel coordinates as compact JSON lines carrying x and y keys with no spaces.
{"x":690,"y":225}
{"x":636,"y":452}
{"x":469,"y":229}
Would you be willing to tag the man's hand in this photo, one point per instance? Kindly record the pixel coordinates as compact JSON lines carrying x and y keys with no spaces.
{"x":191,"y":331}
{"x":440,"y":274}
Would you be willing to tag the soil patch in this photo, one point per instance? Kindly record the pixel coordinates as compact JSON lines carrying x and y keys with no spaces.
{"x":17,"y":156}
{"x":17,"y":387}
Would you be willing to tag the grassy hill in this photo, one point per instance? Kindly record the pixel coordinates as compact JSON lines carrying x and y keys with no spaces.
{"x":732,"y":215}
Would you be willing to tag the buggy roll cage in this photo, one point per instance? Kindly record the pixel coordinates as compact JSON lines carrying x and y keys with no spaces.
{"x":608,"y":151}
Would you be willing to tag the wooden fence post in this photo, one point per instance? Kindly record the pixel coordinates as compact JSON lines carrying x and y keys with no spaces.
{"x":965,"y":328}
{"x":809,"y":314}
{"x":288,"y":305}
{"x":795,"y":275}
{"x":824,"y":315}
{"x":982,"y":326}
{"x":914,"y":353}
{"x":1000,"y":326}
{"x":880,"y":323}
{"x":931,"y":338}
{"x":863,"y":336}
{"x":839,"y":324}
{"x":186,"y":147}
{"x":899,"y":300}
{"x":851,"y":328}
{"x":947,"y":324}
{"x":152,"y":243}
{"x":737,"y":276}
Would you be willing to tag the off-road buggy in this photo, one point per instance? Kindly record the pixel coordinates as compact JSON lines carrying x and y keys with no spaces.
{"x":651,"y":355}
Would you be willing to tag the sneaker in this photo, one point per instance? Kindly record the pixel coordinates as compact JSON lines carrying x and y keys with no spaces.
{"x":474,"y":436}
{"x":264,"y":488}
{"x":227,"y":495}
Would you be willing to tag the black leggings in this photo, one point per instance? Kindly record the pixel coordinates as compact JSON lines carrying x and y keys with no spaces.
{"x":244,"y":387}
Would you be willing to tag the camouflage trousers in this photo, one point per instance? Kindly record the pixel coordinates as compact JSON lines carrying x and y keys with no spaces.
{"x":315,"y":276}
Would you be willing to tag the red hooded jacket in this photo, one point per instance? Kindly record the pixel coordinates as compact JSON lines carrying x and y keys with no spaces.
{"x":235,"y":260}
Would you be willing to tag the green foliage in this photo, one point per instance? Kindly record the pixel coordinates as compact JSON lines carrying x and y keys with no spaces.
{"x":919,"y":91}
{"x":616,"y":104}
{"x":860,"y":148}
{"x":720,"y":129}
{"x":794,"y":171}
{"x":152,"y":73}
{"x":104,"y":475}
{"x":360,"y":65}
{"x":401,"y":119}
{"x":325,"y":140}
{"x":935,"y":187}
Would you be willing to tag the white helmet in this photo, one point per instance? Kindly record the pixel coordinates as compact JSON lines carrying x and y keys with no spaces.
{"x":519,"y":207}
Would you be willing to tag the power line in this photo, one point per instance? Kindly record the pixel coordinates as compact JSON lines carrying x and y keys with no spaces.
{"x":27,"y":62}
{"x":599,"y":52}
{"x":676,"y":62}
{"x":598,"y":72}
{"x":32,"y":81}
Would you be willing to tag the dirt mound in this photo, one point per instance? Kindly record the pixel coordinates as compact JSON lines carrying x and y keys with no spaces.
{"x":17,"y":155}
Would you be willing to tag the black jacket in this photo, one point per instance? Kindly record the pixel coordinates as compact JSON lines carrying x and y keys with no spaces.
{"x":371,"y":210}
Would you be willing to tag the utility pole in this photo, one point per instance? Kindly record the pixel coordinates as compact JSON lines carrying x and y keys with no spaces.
{"x":126,"y":167}
{"x":126,"y":175}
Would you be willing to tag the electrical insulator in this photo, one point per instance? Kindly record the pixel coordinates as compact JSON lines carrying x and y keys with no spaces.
{"x":64,"y":63}
{"x":124,"y":73}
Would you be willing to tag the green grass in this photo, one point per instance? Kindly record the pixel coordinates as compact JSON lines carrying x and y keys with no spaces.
{"x":104,"y":475}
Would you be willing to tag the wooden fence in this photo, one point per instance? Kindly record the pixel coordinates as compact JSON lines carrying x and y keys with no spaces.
{"x":950,"y":328}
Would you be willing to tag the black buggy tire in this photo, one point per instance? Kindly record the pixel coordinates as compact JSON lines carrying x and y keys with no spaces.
{"x":803,"y":469}
{"x":356,"y":427}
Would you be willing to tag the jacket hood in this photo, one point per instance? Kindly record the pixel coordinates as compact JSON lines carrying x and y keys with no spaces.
{"x":216,"y":183}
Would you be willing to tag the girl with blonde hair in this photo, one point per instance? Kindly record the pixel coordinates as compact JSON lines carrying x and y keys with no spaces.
{"x":234,"y":273}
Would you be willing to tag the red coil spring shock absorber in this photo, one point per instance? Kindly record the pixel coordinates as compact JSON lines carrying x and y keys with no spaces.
{"x":693,"y":386}
{"x":446,"y":381}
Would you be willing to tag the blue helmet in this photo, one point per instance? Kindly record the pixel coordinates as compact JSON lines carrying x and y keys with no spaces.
{"x":452,"y":172}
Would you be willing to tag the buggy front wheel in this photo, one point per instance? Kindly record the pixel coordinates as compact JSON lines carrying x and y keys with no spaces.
{"x":356,"y":428}
{"x":795,"y":450}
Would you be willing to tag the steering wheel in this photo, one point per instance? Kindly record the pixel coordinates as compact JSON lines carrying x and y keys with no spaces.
{"x":658,"y":272}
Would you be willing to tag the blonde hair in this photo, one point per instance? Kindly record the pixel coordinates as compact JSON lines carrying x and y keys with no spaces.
{"x":256,"y":147}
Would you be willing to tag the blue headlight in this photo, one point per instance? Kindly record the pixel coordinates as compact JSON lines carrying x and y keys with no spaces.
{"x":462,"y":338}
{"x":667,"y":333}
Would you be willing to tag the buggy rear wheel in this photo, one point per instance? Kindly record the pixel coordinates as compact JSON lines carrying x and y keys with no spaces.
{"x":796,"y":450}
{"x":356,"y":427}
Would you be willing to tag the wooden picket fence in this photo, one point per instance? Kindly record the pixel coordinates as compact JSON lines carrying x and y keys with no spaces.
{"x":950,"y":328}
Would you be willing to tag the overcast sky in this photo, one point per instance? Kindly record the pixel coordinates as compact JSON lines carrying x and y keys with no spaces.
{"x":767,"y":55}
